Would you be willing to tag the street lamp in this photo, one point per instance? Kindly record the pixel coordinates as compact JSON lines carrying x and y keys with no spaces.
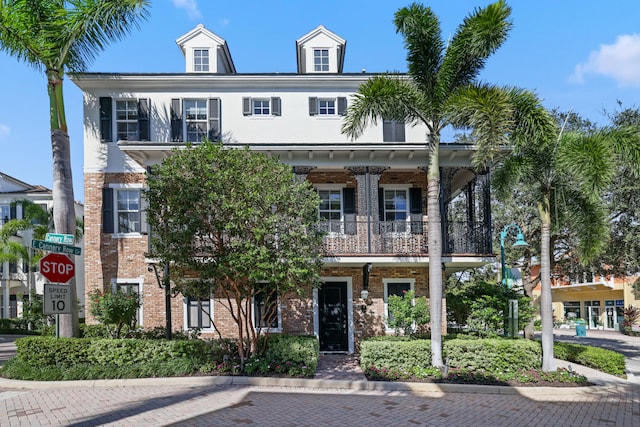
{"x":512,"y":319}
{"x":520,"y":243}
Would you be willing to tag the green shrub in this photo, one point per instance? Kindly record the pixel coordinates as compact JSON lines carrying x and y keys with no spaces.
{"x":604,"y":360}
{"x":294,"y":355}
{"x":493,"y":355}
{"x":49,"y":351}
{"x":407,"y":314}
{"x":396,"y":354}
{"x":115,"y":309}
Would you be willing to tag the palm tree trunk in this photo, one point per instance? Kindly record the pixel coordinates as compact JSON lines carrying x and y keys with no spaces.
{"x":64,"y":217}
{"x":546,"y":308}
{"x":435,"y":250}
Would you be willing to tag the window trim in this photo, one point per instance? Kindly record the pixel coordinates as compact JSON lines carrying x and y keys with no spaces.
{"x":127,"y":121}
{"x":276,"y":330}
{"x":185,"y":302}
{"x":385,"y":285}
{"x":208,"y":63}
{"x":134,"y":281}
{"x":318,"y":68}
{"x":398,"y":187}
{"x":339,"y":188}
{"x":114,"y":213}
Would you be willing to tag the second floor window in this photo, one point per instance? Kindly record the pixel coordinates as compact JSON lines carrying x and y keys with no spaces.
{"x":327,"y":106}
{"x":201,"y":60}
{"x":127,"y":120}
{"x":330,"y":210}
{"x":396,"y":210}
{"x":321,"y":60}
{"x":392,"y":131}
{"x":261,"y":107}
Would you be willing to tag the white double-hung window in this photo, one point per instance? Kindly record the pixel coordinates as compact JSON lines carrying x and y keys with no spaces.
{"x":196,"y":119}
{"x":201,"y":60}
{"x":321,"y":60}
{"x":396,"y":209}
{"x":330,"y":210}
{"x":127,"y":119}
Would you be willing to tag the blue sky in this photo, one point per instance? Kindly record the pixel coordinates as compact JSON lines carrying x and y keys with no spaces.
{"x":576,"y":54}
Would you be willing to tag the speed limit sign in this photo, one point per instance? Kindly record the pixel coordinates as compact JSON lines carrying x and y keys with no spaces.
{"x":57,"y":299}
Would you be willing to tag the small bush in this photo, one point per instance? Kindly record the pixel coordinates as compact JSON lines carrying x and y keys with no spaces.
{"x":493,"y":355}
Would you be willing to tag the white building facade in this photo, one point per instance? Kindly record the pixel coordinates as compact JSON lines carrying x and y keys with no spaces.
{"x":373,"y":189}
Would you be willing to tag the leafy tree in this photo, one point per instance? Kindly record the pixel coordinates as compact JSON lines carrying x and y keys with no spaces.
{"x":233,"y":223}
{"x":52,"y":36}
{"x":407,"y":314}
{"x":568,"y":172}
{"x":444,"y":90}
{"x":115,"y":310}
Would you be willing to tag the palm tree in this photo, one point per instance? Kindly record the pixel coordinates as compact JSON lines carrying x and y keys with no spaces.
{"x":567,"y":175}
{"x":51,"y":35}
{"x":443,"y":90}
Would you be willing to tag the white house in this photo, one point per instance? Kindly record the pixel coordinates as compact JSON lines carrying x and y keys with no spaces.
{"x":373,"y":189}
{"x":18,"y":279}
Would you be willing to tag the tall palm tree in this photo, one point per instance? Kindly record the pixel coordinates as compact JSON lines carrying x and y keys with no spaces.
{"x":443,"y":90}
{"x":567,"y":175}
{"x":51,"y":36}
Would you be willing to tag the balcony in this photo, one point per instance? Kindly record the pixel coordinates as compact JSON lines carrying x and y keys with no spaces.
{"x":400,"y":238}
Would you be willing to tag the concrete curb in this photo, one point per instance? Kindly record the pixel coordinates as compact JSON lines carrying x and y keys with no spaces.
{"x":210,"y":381}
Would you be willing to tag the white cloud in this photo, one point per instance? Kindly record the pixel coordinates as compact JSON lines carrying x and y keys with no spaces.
{"x":620,"y":61}
{"x":4,"y":130}
{"x":190,"y":6}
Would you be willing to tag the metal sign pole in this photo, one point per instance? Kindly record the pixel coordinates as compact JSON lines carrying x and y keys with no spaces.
{"x":57,"y":326}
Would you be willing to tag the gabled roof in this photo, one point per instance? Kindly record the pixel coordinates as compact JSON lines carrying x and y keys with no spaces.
{"x":201,"y":30}
{"x":9,"y":184}
{"x":320,"y":29}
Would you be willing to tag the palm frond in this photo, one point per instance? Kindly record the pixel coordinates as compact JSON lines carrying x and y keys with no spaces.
{"x":387,"y":96}
{"x":589,"y":221}
{"x":423,"y":41}
{"x":477,"y":38}
{"x":533,"y":125}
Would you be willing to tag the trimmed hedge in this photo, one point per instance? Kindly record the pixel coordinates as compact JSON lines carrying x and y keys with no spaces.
{"x":604,"y":360}
{"x":397,"y":354}
{"x":493,"y":355}
{"x":302,"y":350}
{"x":70,"y":352}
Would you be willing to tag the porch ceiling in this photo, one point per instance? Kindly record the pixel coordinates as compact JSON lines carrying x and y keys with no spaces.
{"x":451,"y":264}
{"x":400,"y":155}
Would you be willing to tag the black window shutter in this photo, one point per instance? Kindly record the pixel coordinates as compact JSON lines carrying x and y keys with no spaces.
{"x":214,"y":120}
{"x":415,"y":199}
{"x":313,"y":106}
{"x":13,"y":214}
{"x":387,"y":131}
{"x":381,"y":203}
{"x":106,"y":113}
{"x":107,"y":210}
{"x":400,"y":132}
{"x":246,"y":106}
{"x":144,"y":124}
{"x":349,"y":198}
{"x":276,"y":106}
{"x":176,"y":120}
{"x":342,"y":106}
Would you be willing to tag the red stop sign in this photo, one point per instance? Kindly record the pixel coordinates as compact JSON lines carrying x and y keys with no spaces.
{"x":58,"y":268}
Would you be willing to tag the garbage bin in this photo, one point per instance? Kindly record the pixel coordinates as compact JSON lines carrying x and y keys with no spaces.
{"x":581,"y":328}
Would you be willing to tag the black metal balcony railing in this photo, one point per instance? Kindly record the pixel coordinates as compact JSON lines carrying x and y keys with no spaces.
{"x":399,"y":237}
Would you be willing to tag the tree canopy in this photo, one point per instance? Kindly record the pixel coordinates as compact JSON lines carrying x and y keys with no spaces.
{"x":232,"y":222}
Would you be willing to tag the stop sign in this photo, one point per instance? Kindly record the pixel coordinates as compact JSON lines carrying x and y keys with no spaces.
{"x":58,"y":268}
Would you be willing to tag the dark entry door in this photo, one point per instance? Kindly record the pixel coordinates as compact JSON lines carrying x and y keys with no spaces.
{"x":332,"y":309}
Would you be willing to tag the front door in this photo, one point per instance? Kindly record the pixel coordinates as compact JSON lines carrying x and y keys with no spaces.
{"x":332,"y":311}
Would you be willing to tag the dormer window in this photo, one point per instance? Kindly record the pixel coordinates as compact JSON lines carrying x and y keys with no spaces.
{"x":201,"y":60}
{"x":321,"y":59}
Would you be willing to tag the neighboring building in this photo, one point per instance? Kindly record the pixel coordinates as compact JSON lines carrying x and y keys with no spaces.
{"x":373,"y":189}
{"x":17,"y":278}
{"x":598,"y":300}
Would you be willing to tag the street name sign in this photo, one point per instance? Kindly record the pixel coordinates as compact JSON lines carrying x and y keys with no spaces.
{"x":65,"y":239}
{"x":55,"y":247}
{"x":58,"y":268}
{"x":57,"y":299}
